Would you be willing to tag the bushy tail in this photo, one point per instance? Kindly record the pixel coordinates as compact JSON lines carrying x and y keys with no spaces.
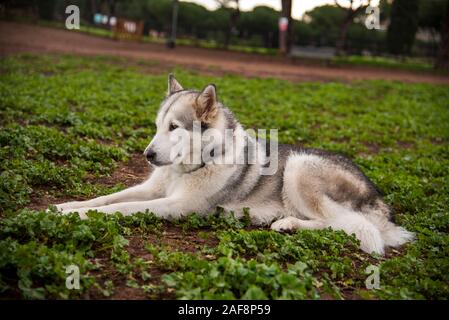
{"x":374,"y":231}
{"x":371,"y":239}
{"x":352,"y":222}
{"x":395,"y":236}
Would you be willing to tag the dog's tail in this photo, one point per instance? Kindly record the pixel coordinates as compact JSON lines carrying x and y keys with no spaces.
{"x":393,"y":235}
{"x":396,"y":236}
{"x":371,"y":239}
{"x":375,"y":232}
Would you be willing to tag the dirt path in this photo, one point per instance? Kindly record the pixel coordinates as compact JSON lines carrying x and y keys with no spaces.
{"x":20,"y":38}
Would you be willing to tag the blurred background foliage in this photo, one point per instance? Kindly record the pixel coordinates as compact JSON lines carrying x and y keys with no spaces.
{"x":408,"y":27}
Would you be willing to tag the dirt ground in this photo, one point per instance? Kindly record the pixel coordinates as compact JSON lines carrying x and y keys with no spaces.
{"x":21,"y":38}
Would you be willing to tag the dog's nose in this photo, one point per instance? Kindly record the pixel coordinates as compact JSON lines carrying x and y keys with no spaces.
{"x":151,"y":155}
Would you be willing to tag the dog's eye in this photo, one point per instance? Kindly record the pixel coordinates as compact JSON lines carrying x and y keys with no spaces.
{"x":172,"y":127}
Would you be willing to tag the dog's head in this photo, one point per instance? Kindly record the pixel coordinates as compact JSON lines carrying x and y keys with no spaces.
{"x":183,"y":115}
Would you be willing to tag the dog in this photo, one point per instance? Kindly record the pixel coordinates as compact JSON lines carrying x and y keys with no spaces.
{"x":309,"y":188}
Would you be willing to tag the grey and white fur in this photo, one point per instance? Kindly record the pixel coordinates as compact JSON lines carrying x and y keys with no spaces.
{"x":311,"y":189}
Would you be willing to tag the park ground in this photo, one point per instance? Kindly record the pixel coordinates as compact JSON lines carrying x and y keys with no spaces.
{"x":76,"y":111}
{"x":18,"y":37}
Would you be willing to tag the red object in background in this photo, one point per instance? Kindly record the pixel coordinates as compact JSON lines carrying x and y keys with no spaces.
{"x":283,"y":24}
{"x":283,"y":29}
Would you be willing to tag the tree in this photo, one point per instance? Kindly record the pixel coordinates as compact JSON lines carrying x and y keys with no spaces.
{"x":442,"y":61}
{"x":385,"y":9}
{"x":431,"y":14}
{"x":324,"y":22}
{"x":192,"y":20}
{"x":158,"y":14}
{"x":350,"y":13}
{"x":403,"y":26}
{"x":46,"y":9}
{"x":433,"y":17}
{"x":232,"y":6}
{"x":261,"y":22}
{"x":286,"y":37}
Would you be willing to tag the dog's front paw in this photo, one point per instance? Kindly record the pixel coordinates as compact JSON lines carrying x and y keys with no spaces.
{"x":66,"y":208}
{"x":82,"y":214}
{"x":285,"y":224}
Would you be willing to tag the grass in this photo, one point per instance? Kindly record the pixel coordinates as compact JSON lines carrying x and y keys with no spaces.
{"x":68,"y":122}
{"x":410,"y":64}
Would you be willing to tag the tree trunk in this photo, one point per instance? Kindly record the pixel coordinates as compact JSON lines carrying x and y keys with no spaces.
{"x":93,"y":9}
{"x":228,"y":32}
{"x":403,"y":26}
{"x":234,"y":16}
{"x":341,"y":42}
{"x":111,"y":8}
{"x":442,"y":61}
{"x":288,"y":36}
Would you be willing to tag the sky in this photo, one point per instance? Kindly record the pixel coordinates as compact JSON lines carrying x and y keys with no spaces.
{"x":298,"y":7}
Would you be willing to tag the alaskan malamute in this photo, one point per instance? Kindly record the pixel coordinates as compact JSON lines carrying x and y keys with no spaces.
{"x":310,"y":188}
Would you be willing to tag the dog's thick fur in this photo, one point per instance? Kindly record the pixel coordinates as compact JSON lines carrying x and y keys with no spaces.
{"x":312,"y":189}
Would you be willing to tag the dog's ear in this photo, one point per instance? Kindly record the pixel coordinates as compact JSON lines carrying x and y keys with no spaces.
{"x":206,"y":104}
{"x":173,"y":85}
